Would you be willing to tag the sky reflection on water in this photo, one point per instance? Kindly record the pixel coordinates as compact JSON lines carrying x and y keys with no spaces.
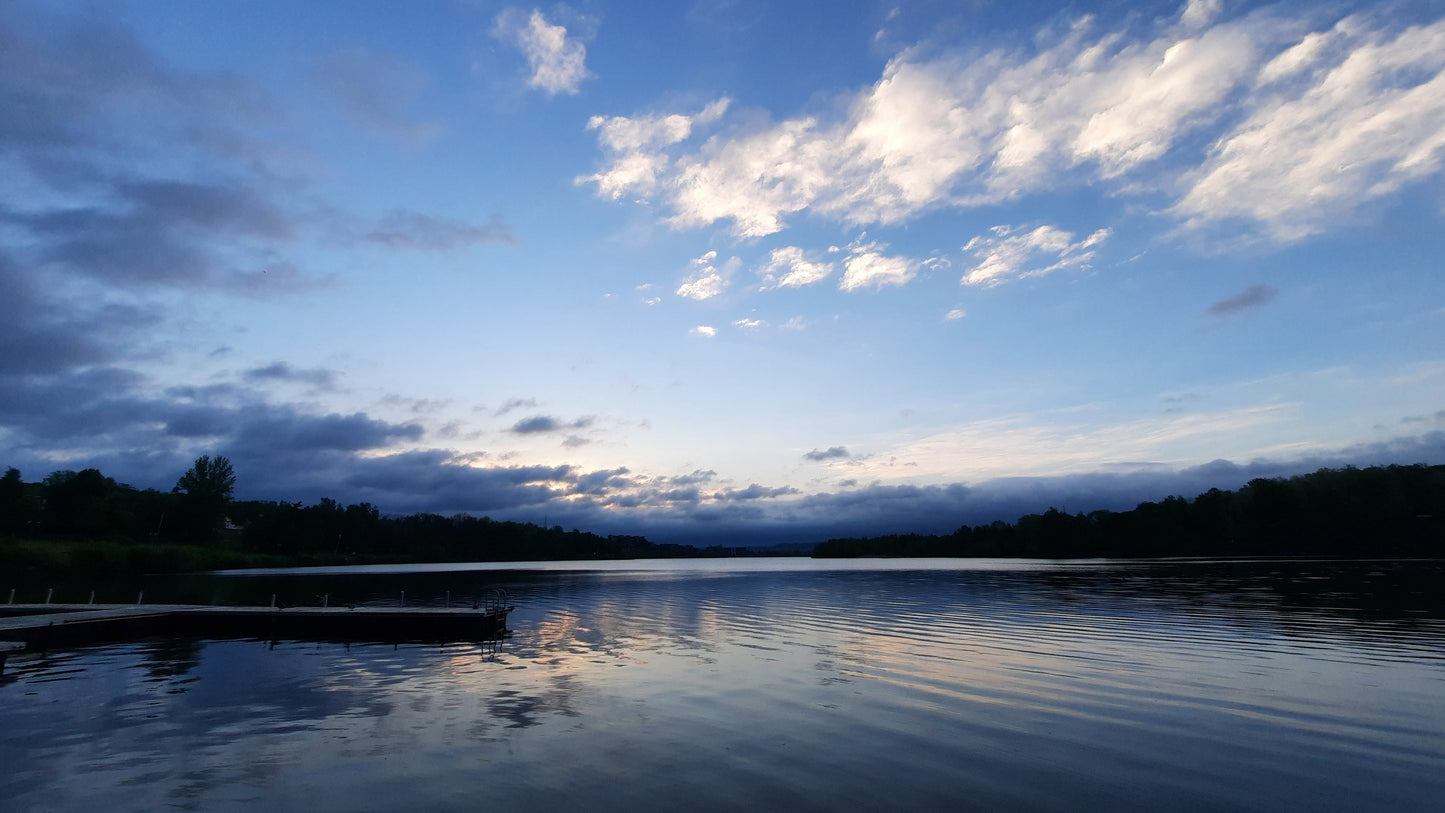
{"x":1189,"y":686}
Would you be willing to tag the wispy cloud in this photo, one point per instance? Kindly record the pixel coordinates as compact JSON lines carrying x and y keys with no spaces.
{"x":635,"y":144}
{"x":830,"y":453}
{"x":790,"y":267}
{"x":377,"y":90}
{"x":317,"y":377}
{"x":1051,"y":444}
{"x":408,"y":229}
{"x":868,"y":267}
{"x":514,"y":403}
{"x":1010,"y":253}
{"x":704,"y":331}
{"x":708,"y":278}
{"x":1308,"y":122}
{"x":540,"y":424}
{"x":1252,"y":297}
{"x":557,"y":61}
{"x":1342,"y":117}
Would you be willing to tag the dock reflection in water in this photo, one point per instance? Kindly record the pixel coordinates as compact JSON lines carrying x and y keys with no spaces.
{"x":925,"y":685}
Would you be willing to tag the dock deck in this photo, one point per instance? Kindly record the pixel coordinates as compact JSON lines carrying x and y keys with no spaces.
{"x":39,"y":626}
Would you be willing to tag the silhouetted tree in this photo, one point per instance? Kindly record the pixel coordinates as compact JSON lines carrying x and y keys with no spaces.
{"x":210,"y":478}
{"x":13,"y":513}
{"x":207,"y":486}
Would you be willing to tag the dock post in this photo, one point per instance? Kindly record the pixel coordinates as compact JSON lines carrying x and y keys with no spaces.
{"x":48,"y":594}
{"x":449,"y":599}
{"x":273,"y":599}
{"x":403,"y":599}
{"x":326,"y":600}
{"x":92,"y":597}
{"x":12,"y":595}
{"x":139,"y":597}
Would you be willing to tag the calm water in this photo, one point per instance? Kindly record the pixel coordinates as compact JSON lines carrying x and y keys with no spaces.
{"x":905,"y":685}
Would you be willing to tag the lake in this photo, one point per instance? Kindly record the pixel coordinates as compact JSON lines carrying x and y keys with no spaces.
{"x":774,"y":683}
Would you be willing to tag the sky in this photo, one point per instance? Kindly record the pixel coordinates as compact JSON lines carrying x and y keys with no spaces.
{"x":730,"y":271}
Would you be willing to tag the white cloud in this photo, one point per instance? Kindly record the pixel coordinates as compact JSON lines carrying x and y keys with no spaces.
{"x":705,"y":331}
{"x":1043,"y":444}
{"x":1299,"y":117}
{"x":1361,"y":120}
{"x":623,"y":134}
{"x":1295,"y":59}
{"x":558,"y":63}
{"x":749,"y":324}
{"x":1200,"y":12}
{"x":754,"y":180}
{"x":867,"y":267}
{"x":789,"y":267}
{"x":708,"y":280}
{"x":955,"y":314}
{"x":1008,"y":253}
{"x":636,"y":146}
{"x":1147,"y":102}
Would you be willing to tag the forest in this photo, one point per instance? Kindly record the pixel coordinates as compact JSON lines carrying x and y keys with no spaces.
{"x":1389,"y":511}
{"x":85,"y":519}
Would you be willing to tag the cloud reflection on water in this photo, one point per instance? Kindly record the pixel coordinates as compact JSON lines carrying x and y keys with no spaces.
{"x":1239,"y":685}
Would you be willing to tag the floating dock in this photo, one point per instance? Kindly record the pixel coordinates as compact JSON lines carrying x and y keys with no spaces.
{"x":40,"y":626}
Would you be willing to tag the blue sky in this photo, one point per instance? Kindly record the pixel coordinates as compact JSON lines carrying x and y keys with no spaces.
{"x":722,"y":270}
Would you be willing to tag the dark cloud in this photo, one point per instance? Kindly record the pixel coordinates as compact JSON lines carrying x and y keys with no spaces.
{"x":78,"y":94}
{"x":407,"y":229}
{"x":284,"y":453}
{"x":224,"y":392}
{"x":88,"y":115}
{"x":603,"y":481}
{"x":434,"y":481}
{"x":538,"y":424}
{"x":755,"y":492}
{"x":39,"y":336}
{"x":514,"y":403}
{"x":157,"y":176}
{"x":317,"y":377}
{"x":280,"y":430}
{"x":276,"y":279}
{"x":214,"y":207}
{"x":153,"y":232}
{"x":831,"y":453}
{"x":62,"y":79}
{"x":378,"y":91}
{"x":111,"y":411}
{"x":418,"y":406}
{"x":194,"y":421}
{"x":535,"y":424}
{"x":78,"y":405}
{"x":1252,"y":297}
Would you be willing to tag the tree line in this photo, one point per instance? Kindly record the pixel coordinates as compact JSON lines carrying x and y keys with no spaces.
{"x":86,"y":506}
{"x":1376,"y":511}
